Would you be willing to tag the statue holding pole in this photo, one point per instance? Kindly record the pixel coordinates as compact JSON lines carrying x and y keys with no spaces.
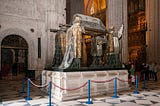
{"x":72,"y":56}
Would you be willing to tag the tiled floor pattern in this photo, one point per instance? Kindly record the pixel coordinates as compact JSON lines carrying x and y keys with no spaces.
{"x":143,"y":99}
{"x":10,"y":96}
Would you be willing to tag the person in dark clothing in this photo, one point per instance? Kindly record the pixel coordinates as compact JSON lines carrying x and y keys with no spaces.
{"x":142,"y":69}
{"x":128,"y":66}
{"x":132,"y":70}
{"x":14,"y":69}
{"x":147,"y":71}
{"x":155,"y":71}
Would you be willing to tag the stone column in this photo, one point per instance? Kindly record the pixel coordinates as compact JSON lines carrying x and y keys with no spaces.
{"x":55,"y":15}
{"x":153,"y":26}
{"x":158,"y":32}
{"x":116,"y":16}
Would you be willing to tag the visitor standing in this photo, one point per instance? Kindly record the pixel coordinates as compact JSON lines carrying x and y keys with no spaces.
{"x":132,"y":70}
{"x":142,"y":69}
{"x":147,"y":71}
{"x":128,"y":66}
{"x":155,"y":71}
{"x":151,"y":73}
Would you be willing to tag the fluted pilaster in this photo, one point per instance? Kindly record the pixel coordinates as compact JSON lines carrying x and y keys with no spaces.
{"x":55,"y":15}
{"x":116,"y":16}
{"x":152,"y":35}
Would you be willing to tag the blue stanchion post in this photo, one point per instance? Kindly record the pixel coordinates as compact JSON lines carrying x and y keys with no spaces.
{"x":22,"y":86}
{"x":40,"y":80}
{"x":136,"y":91}
{"x":50,"y":93}
{"x":115,"y":88}
{"x":89,"y":93}
{"x":28,"y":90}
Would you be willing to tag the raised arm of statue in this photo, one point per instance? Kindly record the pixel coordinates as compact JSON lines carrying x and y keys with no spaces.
{"x":120,"y":32}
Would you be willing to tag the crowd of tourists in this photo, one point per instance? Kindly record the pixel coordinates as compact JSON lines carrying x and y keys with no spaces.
{"x":147,"y":71}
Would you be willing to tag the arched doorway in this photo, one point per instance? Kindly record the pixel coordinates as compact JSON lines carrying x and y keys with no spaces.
{"x":14,"y":56}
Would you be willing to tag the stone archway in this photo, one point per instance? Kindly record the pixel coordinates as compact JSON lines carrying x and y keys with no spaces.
{"x":14,"y":56}
{"x":30,"y":41}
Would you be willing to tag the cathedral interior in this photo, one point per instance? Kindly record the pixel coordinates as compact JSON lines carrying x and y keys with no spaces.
{"x":137,"y":26}
{"x":141,"y":45}
{"x":29,"y":37}
{"x":138,"y":39}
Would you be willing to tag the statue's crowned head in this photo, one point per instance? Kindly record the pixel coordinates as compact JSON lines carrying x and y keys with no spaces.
{"x":111,"y":29}
{"x":77,"y":19}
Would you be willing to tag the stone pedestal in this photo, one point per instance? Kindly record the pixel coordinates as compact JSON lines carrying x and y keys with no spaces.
{"x":77,"y":79}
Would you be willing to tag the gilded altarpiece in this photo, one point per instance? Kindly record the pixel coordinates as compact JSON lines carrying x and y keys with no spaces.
{"x":137,"y":31}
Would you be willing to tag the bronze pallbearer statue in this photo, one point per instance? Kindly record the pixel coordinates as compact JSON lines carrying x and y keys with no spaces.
{"x":102,"y":43}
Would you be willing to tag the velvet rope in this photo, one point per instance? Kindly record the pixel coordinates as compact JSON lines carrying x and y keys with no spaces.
{"x":102,"y":81}
{"x":69,"y":89}
{"x":39,"y":86}
{"x":124,"y":80}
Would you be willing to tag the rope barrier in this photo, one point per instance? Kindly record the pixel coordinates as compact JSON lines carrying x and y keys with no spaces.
{"x":115,"y":88}
{"x":124,"y":80}
{"x":136,"y":91}
{"x":102,"y":81}
{"x":69,"y":89}
{"x":22,"y":86}
{"x":50,"y":93}
{"x":40,"y":80}
{"x":39,"y":86}
{"x":89,"y":93}
{"x":28,"y":91}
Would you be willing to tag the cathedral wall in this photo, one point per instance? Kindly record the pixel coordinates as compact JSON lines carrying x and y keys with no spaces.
{"x":152,"y":35}
{"x":33,"y":19}
{"x":55,"y":15}
{"x":117,"y":15}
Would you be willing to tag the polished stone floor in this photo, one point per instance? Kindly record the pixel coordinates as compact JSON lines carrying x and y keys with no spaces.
{"x":10,"y":95}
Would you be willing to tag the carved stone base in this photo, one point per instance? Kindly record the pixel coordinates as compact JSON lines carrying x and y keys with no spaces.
{"x":76,"y":79}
